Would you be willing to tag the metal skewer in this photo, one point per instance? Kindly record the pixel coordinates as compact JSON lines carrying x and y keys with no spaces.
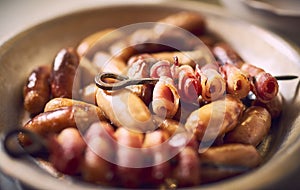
{"x":123,"y":81}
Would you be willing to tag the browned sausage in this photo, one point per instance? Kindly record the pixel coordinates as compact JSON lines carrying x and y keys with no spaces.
{"x":228,"y":160}
{"x":190,"y":21}
{"x":215,"y":119}
{"x":187,"y":172}
{"x":66,"y":151}
{"x":274,"y":106}
{"x":55,"y":121}
{"x":58,"y":103}
{"x":253,"y":127}
{"x":37,"y":90}
{"x":63,"y":73}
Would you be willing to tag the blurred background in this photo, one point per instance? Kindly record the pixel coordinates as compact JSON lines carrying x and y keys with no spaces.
{"x":279,"y":16}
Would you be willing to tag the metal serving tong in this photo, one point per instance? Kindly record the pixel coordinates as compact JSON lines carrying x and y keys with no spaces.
{"x":13,"y":148}
{"x":124,"y":81}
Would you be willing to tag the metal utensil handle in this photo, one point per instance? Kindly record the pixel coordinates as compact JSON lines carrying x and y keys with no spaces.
{"x":36,"y":146}
{"x":123,"y":81}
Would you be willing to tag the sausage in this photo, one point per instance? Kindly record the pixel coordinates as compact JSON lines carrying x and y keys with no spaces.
{"x":58,"y":103}
{"x":88,"y":93}
{"x":189,"y":86}
{"x":237,"y":83}
{"x":92,"y":43}
{"x":122,"y":51}
{"x":187,"y":171}
{"x":168,"y":125}
{"x":160,"y":68}
{"x":64,"y":77}
{"x":107,"y":63}
{"x":119,"y":109}
{"x":264,"y":85}
{"x":145,"y":92}
{"x":157,"y":156}
{"x":191,"y":58}
{"x":56,"y":120}
{"x":87,"y":71}
{"x":129,"y":157}
{"x":228,"y":160}
{"x":100,"y":154}
{"x":139,"y":66}
{"x":165,"y":101}
{"x":252,"y":128}
{"x":36,"y":92}
{"x":226,"y":54}
{"x":274,"y":106}
{"x":213,"y":85}
{"x":215,"y":119}
{"x":66,"y":151}
{"x":190,"y":21}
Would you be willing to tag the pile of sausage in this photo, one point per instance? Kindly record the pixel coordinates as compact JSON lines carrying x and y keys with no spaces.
{"x":199,"y":112}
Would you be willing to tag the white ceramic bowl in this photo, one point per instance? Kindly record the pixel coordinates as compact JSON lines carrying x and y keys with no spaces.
{"x":38,"y":45}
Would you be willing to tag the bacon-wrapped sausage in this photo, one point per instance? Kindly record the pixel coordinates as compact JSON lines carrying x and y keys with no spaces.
{"x":129,"y":157}
{"x":66,"y":151}
{"x":213,"y":85}
{"x":264,"y":85}
{"x":165,"y":101}
{"x":161,"y":68}
{"x":36,"y":92}
{"x":139,"y":66}
{"x":100,"y":154}
{"x":237,"y":83}
{"x":189,"y":87}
